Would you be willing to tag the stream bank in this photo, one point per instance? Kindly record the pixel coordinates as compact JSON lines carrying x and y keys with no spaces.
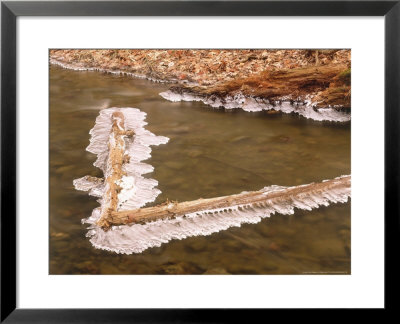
{"x":313,"y":83}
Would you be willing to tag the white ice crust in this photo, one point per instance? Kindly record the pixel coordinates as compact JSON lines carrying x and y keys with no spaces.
{"x":136,"y":190}
{"x":128,"y":239}
{"x":250,"y":104}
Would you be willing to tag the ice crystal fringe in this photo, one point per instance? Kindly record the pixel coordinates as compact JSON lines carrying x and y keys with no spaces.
{"x":136,"y":238}
{"x":136,"y":190}
{"x":251,"y":104}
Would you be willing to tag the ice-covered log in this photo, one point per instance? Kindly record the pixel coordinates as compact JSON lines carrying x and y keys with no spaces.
{"x":121,"y":223}
{"x":305,"y":197}
{"x":116,"y":158}
{"x":121,"y":143}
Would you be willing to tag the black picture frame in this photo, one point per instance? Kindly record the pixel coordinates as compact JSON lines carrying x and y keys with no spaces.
{"x":11,"y":10}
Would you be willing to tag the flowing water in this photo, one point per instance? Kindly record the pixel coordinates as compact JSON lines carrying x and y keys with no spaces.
{"x":211,"y":152}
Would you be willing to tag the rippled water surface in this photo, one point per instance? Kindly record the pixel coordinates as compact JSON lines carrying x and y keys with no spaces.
{"x":210,"y":153}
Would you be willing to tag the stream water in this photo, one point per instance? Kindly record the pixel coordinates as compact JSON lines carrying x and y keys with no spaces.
{"x":211,"y":152}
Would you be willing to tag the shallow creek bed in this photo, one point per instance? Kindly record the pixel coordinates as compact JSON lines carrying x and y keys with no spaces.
{"x":203,"y":163}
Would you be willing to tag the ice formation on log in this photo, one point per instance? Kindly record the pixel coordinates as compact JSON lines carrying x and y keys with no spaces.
{"x":134,"y":142}
{"x":252,"y":104}
{"x":121,"y":143}
{"x":136,"y":238}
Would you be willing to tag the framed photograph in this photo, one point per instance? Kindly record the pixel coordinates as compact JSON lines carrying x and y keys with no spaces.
{"x":197,"y":160}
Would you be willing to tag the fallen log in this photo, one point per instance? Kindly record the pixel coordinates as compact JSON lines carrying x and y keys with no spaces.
{"x":116,"y":159}
{"x":263,"y":198}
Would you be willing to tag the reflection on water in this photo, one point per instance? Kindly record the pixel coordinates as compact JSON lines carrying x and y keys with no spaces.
{"x":210,"y":153}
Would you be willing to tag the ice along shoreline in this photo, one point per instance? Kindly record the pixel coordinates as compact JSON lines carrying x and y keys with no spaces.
{"x":254,"y":104}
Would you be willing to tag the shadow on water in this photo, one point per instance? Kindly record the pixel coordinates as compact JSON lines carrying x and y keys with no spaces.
{"x":211,"y":152}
